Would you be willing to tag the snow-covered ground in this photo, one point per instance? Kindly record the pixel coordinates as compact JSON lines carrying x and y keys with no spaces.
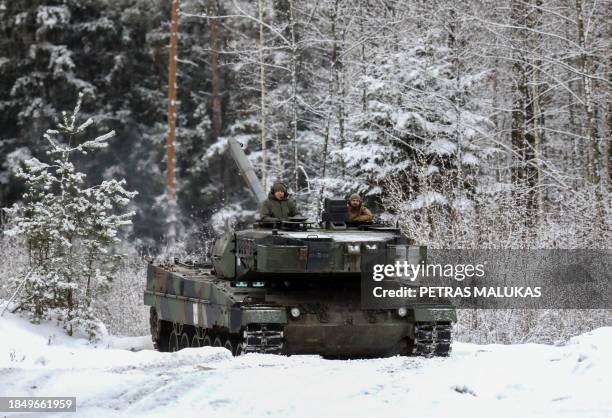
{"x":111,"y":379}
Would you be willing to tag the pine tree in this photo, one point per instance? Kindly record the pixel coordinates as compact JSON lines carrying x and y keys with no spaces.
{"x":413,"y":133}
{"x":70,"y":229}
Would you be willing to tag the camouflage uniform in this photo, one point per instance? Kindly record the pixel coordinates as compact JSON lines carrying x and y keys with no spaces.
{"x":279,"y":209}
{"x":360,"y":213}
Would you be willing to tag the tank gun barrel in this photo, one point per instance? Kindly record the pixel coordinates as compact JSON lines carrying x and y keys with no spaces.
{"x":247,"y":171}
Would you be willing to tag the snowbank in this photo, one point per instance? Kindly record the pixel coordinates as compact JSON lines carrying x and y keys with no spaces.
{"x":113,"y":379}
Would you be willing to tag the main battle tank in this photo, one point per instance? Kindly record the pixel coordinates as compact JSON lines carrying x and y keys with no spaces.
{"x":292,"y":287}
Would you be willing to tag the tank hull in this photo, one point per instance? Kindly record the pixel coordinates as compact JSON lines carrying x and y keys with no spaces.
{"x":192,"y":307}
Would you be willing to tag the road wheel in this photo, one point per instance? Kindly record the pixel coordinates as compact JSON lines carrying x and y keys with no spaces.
{"x":217,"y":342}
{"x":229,"y":346}
{"x":195,"y":342}
{"x":173,"y":344}
{"x":239,"y":349}
{"x":184,"y":343}
{"x":206,"y":342}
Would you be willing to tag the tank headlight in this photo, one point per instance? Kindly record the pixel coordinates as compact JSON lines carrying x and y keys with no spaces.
{"x":353,"y":248}
{"x":402,"y":312}
{"x":295,"y":312}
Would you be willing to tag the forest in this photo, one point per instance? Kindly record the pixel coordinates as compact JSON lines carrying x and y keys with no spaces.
{"x":473,"y":124}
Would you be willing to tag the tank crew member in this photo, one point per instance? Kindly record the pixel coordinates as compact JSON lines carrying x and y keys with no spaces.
{"x":278,"y":206}
{"x":356,"y":211}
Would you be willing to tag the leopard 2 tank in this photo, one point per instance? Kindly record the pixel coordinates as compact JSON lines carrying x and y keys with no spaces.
{"x":293,"y":287}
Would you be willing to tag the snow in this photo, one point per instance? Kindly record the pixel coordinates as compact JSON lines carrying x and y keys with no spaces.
{"x":404,"y":119}
{"x":424,"y":200}
{"x":110,"y":379}
{"x":15,"y":159}
{"x":51,"y":16}
{"x":470,"y":159}
{"x":340,"y":236}
{"x":225,"y":218}
{"x":441,"y":147}
{"x":432,"y":169}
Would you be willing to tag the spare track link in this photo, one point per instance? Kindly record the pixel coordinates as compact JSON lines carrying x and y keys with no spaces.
{"x":263,"y":338}
{"x":432,"y":339}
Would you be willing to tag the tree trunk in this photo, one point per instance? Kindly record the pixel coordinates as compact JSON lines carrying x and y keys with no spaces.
{"x":517,"y":128}
{"x":536,"y":119}
{"x":217,"y":119}
{"x":593,"y":152}
{"x":457,"y":100}
{"x":262,"y":84}
{"x":294,"y":111}
{"x":364,"y":68}
{"x":324,"y":167}
{"x":170,"y":153}
{"x":583,"y":62}
{"x":339,"y":90}
{"x":607,"y":154}
{"x":216,"y":77}
{"x":520,"y":105}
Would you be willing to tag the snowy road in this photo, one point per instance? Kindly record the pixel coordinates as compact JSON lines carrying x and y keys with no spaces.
{"x":476,"y":381}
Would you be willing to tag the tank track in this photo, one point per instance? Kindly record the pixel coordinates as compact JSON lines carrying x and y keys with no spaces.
{"x":432,"y":339}
{"x":263,"y":338}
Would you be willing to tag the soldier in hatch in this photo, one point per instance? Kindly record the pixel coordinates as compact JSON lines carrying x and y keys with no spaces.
{"x":356,"y":211}
{"x":278,"y":206}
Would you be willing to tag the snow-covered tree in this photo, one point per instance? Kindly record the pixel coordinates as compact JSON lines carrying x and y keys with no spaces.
{"x":70,"y":228}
